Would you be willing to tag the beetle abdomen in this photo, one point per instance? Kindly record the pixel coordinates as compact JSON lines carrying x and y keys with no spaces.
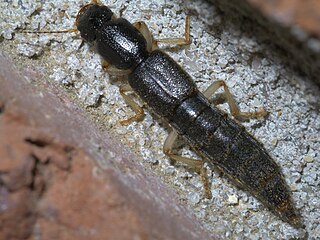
{"x":225,"y":143}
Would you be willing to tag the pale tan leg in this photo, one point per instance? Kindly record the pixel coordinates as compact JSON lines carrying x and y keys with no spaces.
{"x":135,"y":107}
{"x":71,"y":30}
{"x":179,"y":41}
{"x":144,"y":30}
{"x":152,"y":44}
{"x":124,"y":89}
{"x":105,"y":65}
{"x":113,"y":70}
{"x":196,"y":165}
{"x":234,"y":109}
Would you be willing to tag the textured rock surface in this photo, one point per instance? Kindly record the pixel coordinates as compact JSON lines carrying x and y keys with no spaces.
{"x":51,"y":186}
{"x":294,"y":25}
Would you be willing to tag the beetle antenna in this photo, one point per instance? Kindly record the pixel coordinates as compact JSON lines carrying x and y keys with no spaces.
{"x":47,"y":31}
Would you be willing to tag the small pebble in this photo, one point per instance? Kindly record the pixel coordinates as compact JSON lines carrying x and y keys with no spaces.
{"x":233,"y":199}
{"x":308,"y":159}
{"x":293,"y":187}
{"x":194,"y":198}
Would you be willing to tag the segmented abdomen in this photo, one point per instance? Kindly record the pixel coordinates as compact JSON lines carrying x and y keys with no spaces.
{"x":225,"y":143}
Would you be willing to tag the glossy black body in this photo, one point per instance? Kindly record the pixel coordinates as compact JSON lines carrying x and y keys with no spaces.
{"x":162,"y":84}
{"x":170,"y":92}
{"x":126,"y":47}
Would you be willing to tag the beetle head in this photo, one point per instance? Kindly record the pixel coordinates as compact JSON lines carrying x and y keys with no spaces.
{"x":90,"y":19}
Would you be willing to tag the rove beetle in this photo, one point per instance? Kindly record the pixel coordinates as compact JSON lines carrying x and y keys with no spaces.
{"x":130,"y":50}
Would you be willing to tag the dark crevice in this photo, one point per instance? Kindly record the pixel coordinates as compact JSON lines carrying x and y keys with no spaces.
{"x":34,"y":172}
{"x":69,"y":151}
{"x":257,"y":125}
{"x":1,"y":108}
{"x":38,"y":184}
{"x":38,"y":142}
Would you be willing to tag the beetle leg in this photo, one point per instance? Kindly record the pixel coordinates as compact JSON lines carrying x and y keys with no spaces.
{"x":112,"y":70}
{"x":105,"y":65}
{"x":195,"y":164}
{"x":179,"y":41}
{"x":139,"y":113}
{"x":96,"y":2}
{"x":234,"y":109}
{"x":152,"y":44}
{"x":144,"y":30}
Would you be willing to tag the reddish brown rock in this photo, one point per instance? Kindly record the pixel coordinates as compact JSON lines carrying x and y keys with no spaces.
{"x":51,"y":185}
{"x":17,"y":213}
{"x":305,"y":14}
